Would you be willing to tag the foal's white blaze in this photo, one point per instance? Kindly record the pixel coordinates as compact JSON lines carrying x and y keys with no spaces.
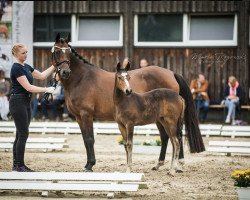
{"x":124,"y":75}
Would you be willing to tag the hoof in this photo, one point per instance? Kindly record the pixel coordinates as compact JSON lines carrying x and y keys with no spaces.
{"x":128,"y":170}
{"x":171,"y":172}
{"x":179,"y":170}
{"x":87,"y":170}
{"x":160,"y":163}
{"x":182,"y":161}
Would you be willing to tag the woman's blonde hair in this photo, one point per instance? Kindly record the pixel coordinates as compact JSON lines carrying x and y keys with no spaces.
{"x":232,"y":79}
{"x":16,"y":48}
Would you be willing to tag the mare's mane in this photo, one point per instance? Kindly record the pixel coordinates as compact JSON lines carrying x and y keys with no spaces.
{"x":75,"y":53}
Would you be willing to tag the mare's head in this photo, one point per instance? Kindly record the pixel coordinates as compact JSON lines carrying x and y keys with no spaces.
{"x":61,"y":52}
{"x":122,"y":79}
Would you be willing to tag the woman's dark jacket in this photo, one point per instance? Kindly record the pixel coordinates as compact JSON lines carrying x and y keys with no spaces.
{"x":239,"y":93}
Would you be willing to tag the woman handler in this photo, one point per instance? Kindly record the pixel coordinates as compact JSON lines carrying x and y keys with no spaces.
{"x":22,"y":76}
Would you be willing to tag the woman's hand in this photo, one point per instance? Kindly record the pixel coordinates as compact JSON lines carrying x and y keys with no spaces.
{"x":232,"y":97}
{"x":50,"y":90}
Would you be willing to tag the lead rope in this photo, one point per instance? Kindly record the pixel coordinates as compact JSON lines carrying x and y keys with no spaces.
{"x":46,"y":95}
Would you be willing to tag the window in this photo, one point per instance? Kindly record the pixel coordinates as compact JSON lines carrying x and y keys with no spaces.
{"x":99,"y":31}
{"x":160,"y":28}
{"x":185,"y":30}
{"x":212,"y":30}
{"x":211,"y":27}
{"x":47,"y":27}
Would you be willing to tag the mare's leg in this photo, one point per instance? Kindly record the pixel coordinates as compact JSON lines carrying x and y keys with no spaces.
{"x":164,"y":144}
{"x":86,"y":126}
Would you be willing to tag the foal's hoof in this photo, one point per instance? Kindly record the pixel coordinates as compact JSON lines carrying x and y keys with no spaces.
{"x":155,"y":168}
{"x":171,"y":172}
{"x":87,"y":170}
{"x":179,"y":170}
{"x":182,"y":161}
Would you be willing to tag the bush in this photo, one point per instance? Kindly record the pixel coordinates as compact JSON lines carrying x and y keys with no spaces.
{"x":158,"y":141}
{"x":120,"y":140}
{"x":241,"y":178}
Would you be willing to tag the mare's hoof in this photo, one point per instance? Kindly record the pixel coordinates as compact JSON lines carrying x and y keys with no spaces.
{"x":87,"y":170}
{"x":160,"y":163}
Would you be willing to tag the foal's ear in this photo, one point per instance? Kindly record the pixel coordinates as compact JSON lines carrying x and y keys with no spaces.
{"x":127,"y":66}
{"x":58,"y":37}
{"x":118,"y":66}
{"x":68,"y":38}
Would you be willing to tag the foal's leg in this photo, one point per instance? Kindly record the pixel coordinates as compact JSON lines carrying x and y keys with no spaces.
{"x":171,"y":128}
{"x":86,"y":126}
{"x":130,"y":132}
{"x":125,"y":138}
{"x":164,"y":141}
{"x":176,"y":151}
{"x":164,"y":144}
{"x":181,"y":154}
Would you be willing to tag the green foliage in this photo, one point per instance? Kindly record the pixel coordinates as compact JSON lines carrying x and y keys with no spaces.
{"x":158,"y":141}
{"x":120,"y":140}
{"x":241,"y":178}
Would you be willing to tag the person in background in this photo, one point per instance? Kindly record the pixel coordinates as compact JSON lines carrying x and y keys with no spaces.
{"x":143,"y":63}
{"x":232,"y":95}
{"x":22,"y":76}
{"x":5,"y":64}
{"x":4,"y":99}
{"x":34,"y":105}
{"x":199,"y":89}
{"x":58,"y":99}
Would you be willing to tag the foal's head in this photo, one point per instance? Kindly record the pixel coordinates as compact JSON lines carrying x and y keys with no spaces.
{"x":61,"y":56}
{"x":122,"y":79}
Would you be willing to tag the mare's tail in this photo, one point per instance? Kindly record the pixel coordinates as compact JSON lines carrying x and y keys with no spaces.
{"x":191,"y":120}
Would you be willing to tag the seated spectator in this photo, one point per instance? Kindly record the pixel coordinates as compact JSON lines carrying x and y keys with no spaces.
{"x":232,"y":95}
{"x":58,"y":100}
{"x":5,"y":65}
{"x":4,"y":93}
{"x":199,"y":89}
{"x":34,"y":105}
{"x":143,"y":63}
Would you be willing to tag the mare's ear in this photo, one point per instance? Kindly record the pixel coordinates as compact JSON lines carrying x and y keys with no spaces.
{"x":118,"y":66}
{"x":68,"y":38}
{"x":127,"y":66}
{"x":58,"y":37}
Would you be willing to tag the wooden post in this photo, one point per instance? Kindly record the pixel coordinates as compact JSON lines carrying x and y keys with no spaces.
{"x":242,"y":49}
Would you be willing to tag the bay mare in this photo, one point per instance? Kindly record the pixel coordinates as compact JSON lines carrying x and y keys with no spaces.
{"x":131,"y":109}
{"x":89,"y":95}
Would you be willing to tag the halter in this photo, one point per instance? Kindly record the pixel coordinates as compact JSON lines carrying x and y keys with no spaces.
{"x":54,"y":82}
{"x":54,"y":56}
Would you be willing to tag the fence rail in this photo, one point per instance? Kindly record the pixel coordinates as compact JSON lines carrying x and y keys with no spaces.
{"x":112,"y":128}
